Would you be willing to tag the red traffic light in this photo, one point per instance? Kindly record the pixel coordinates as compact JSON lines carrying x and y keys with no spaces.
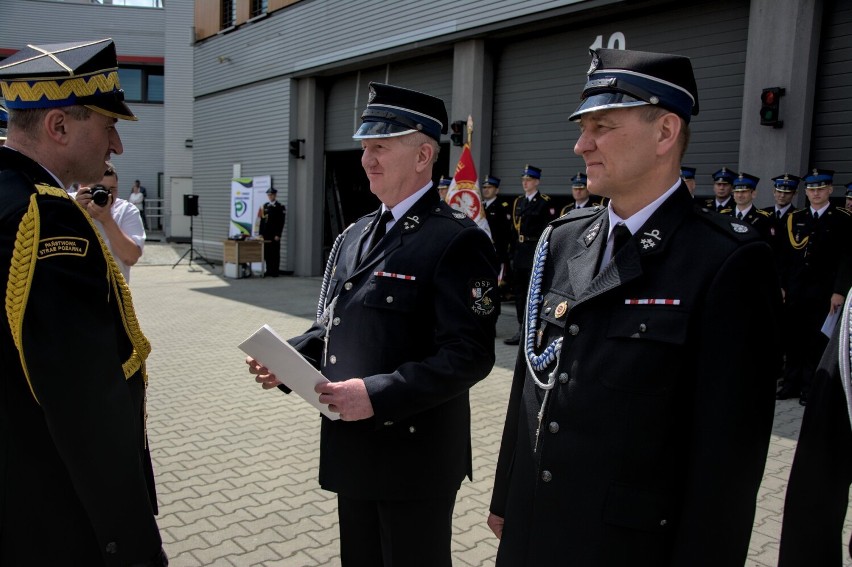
{"x":769,"y":97}
{"x":770,"y":103}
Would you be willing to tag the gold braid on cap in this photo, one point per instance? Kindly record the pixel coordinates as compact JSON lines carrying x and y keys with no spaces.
{"x":60,"y":89}
{"x":21,"y":275}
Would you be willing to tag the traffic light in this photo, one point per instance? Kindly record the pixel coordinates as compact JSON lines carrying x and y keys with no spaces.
{"x":457,"y":133}
{"x":296,"y":148}
{"x":770,"y":102}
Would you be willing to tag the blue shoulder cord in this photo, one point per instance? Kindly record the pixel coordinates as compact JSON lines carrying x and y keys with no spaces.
{"x":326,"y":313}
{"x":554,"y":349}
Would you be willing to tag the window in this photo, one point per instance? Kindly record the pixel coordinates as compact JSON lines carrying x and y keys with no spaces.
{"x":229,"y":14}
{"x":142,"y":84}
{"x":258,"y":8}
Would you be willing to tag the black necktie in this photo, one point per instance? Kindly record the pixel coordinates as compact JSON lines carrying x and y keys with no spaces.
{"x":816,"y":216}
{"x":380,"y":229}
{"x":620,"y":236}
{"x":739,"y":215}
{"x":778,"y":214}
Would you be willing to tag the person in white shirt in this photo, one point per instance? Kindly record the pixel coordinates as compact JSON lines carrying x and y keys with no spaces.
{"x":118,"y":221}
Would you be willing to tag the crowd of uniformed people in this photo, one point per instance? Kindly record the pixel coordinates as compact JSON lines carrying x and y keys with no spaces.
{"x":814,"y":265}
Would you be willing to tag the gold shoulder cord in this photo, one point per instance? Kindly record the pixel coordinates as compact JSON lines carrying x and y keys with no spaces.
{"x":793,"y":243}
{"x":20,"y":281}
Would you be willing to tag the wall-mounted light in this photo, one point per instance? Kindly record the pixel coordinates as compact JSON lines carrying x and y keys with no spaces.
{"x":296,"y":148}
{"x":187,"y":143}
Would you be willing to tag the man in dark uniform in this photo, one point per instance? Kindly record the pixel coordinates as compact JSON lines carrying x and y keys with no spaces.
{"x":722,"y":186}
{"x":444,"y":187}
{"x":405,"y":327}
{"x":688,"y":176}
{"x":745,"y":186}
{"x":77,"y":485}
{"x":272,"y":215}
{"x":498,"y":212}
{"x":530,"y":214}
{"x":818,"y":491}
{"x":623,"y":444}
{"x":580,"y":192}
{"x":816,"y":272}
{"x":784,"y":191}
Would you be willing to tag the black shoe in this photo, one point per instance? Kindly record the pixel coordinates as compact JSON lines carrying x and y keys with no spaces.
{"x":516,"y":340}
{"x":803,"y":401}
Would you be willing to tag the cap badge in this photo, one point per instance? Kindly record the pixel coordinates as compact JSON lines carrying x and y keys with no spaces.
{"x":654,"y":100}
{"x":816,"y":171}
{"x":371,"y":96}
{"x":595,"y":62}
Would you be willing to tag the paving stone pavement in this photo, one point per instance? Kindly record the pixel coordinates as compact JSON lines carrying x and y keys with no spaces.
{"x":236,"y":465}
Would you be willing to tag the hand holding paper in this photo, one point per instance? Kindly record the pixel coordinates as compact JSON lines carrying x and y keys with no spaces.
{"x":287,"y":365}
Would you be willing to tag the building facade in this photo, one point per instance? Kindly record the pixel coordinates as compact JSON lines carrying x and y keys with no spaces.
{"x":299,"y":71}
{"x":157,"y":148}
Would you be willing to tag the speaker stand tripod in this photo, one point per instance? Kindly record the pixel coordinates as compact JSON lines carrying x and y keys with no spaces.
{"x":192,"y":252}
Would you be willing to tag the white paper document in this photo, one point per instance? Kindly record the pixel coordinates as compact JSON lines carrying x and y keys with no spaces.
{"x":265,"y":346}
{"x":830,"y":322}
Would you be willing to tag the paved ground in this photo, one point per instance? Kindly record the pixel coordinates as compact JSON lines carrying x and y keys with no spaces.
{"x":236,"y":465}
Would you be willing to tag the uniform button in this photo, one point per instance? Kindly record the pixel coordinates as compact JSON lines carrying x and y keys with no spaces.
{"x":336,"y":320}
{"x":388,"y":423}
{"x":563,"y":377}
{"x":389,"y":299}
{"x":574,"y":329}
{"x":553,"y":427}
{"x":663,"y":522}
{"x":547,"y":310}
{"x":347,"y":286}
{"x":332,"y":359}
{"x":643,"y":327}
{"x":546,"y":476}
{"x":111,"y":548}
{"x":412,"y":429}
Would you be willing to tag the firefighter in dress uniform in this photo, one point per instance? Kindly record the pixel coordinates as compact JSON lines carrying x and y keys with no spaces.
{"x":77,"y":482}
{"x":816,"y":272}
{"x":745,"y":186}
{"x":498,"y":212}
{"x":531,"y":212}
{"x":272,"y":216}
{"x":582,"y":197}
{"x":615,"y":450}
{"x":722,"y":188}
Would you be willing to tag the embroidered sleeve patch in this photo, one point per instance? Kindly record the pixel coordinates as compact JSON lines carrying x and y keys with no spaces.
{"x":482,"y":294}
{"x":62,"y":246}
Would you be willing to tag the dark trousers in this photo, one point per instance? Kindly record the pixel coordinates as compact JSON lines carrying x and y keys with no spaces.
{"x":272,"y":256}
{"x":396,"y":533}
{"x":805,"y":347}
{"x":520,"y":287}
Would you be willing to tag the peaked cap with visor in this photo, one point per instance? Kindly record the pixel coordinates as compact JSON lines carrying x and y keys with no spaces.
{"x":619,"y":78}
{"x":395,"y":111}
{"x":65,"y":74}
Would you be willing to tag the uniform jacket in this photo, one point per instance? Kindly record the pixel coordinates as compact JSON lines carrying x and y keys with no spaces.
{"x":529,"y":218}
{"x":76,"y":486}
{"x":415,"y":319}
{"x":711,"y":204}
{"x":593,"y":201}
{"x":814,"y":256}
{"x":818,"y":491}
{"x":272,"y":219}
{"x":499,"y":216}
{"x":648,"y":454}
{"x":759,"y":219}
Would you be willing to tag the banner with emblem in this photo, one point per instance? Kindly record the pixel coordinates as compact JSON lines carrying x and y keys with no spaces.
{"x":247,"y":195}
{"x":464,"y":195}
